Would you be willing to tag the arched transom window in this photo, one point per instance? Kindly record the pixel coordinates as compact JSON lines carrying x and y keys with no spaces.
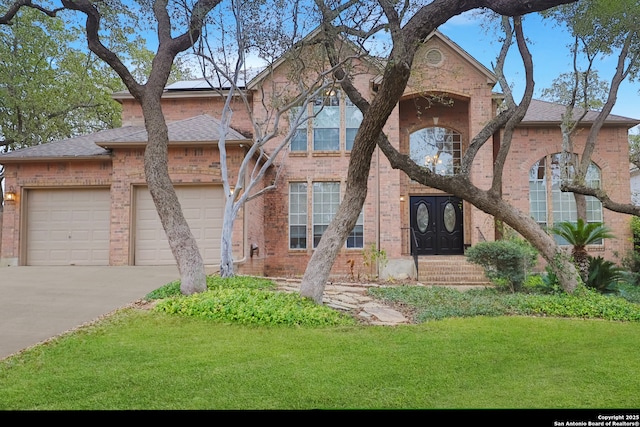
{"x":436,"y":148}
{"x":548,"y":205}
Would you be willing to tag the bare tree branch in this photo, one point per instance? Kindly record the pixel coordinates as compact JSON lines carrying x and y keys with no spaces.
{"x":18,"y":4}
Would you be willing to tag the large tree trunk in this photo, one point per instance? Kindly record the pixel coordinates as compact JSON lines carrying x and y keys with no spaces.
{"x":183,"y":244}
{"x":319,"y":268}
{"x":226,"y":245}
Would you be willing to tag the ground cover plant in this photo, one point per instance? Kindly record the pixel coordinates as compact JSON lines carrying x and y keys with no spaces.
{"x":246,"y":300}
{"x":434,"y":303}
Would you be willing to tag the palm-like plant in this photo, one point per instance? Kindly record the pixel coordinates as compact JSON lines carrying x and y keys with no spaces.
{"x":580,"y":235}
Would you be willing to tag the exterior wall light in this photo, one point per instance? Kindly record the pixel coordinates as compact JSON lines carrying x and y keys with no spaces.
{"x":10,"y":196}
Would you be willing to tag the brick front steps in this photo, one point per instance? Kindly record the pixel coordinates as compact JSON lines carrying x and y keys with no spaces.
{"x":448,"y":270}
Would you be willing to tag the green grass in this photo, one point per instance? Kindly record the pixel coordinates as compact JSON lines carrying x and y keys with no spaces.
{"x":479,"y":359}
{"x":147,"y":360}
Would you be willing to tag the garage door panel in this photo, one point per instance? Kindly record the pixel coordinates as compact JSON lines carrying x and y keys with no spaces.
{"x":202,"y":208}
{"x":68,"y":227}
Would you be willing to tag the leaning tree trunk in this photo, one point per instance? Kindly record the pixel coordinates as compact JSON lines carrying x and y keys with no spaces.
{"x":181,"y":241}
{"x":558,"y":261}
{"x":324,"y":256}
{"x":319,"y":267}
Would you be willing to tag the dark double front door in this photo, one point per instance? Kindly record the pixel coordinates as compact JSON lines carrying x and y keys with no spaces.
{"x":437,"y":224}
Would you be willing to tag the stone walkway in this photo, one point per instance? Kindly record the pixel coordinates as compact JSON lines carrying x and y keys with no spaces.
{"x":353,"y":298}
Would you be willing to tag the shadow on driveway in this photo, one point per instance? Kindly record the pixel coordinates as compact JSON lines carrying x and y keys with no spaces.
{"x":37,"y":303}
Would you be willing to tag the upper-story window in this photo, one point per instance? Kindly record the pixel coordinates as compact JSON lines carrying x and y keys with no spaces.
{"x":438,"y":149}
{"x":332,"y":126}
{"x":353,"y":118}
{"x":548,"y":205}
{"x":299,"y":139}
{"x":326,"y":123}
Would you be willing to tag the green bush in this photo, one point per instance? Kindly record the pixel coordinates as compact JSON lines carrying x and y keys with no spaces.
{"x":254,"y":306}
{"x":504,"y":261}
{"x":629,"y":292}
{"x":603,"y":275}
{"x":635,"y":229}
{"x":631,"y":261}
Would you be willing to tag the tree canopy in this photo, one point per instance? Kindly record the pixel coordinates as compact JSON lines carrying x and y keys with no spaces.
{"x":51,"y":88}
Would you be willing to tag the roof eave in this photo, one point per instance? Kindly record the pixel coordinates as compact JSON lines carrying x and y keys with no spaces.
{"x":30,"y":159}
{"x":204,"y":93}
{"x":142,"y":144}
{"x":628,"y":124}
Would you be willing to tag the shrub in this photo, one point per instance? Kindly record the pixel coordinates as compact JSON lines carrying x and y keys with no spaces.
{"x":579,"y":235}
{"x":635,"y":229}
{"x":631,"y":262}
{"x":504,"y":261}
{"x":603,"y":275}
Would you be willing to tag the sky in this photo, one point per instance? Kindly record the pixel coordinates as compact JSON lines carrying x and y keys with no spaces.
{"x":551,"y":57}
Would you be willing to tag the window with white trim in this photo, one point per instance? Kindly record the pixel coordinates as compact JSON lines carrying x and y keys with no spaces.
{"x":325,"y":199}
{"x":333,"y":124}
{"x":299,"y":140}
{"x":298,"y":215}
{"x":353,"y":118}
{"x":326,"y":122}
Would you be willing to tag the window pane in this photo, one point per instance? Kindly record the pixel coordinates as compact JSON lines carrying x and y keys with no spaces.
{"x":353,"y":116}
{"x":297,"y":215}
{"x":351,"y":136}
{"x":299,"y":140}
{"x":356,"y":237}
{"x":437,"y":149}
{"x":326,"y":117}
{"x":326,"y":139}
{"x":326,"y":122}
{"x":326,"y":199}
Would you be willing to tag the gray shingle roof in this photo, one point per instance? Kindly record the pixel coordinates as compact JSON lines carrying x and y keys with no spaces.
{"x":202,"y":128}
{"x":81,"y":146}
{"x":549,"y":112}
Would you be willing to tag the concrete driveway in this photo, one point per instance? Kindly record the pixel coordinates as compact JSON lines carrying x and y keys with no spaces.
{"x":37,"y":303}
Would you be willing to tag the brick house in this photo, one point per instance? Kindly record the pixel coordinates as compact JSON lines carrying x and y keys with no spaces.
{"x":83,"y":201}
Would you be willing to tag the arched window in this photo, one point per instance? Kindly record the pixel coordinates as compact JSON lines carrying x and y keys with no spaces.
{"x":436,"y":148}
{"x":548,"y":205}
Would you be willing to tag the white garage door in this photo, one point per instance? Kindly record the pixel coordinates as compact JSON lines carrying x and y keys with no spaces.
{"x":68,"y":227}
{"x":202,"y":207}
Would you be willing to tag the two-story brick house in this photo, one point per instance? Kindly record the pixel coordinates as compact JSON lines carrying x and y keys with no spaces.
{"x":84,"y":200}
